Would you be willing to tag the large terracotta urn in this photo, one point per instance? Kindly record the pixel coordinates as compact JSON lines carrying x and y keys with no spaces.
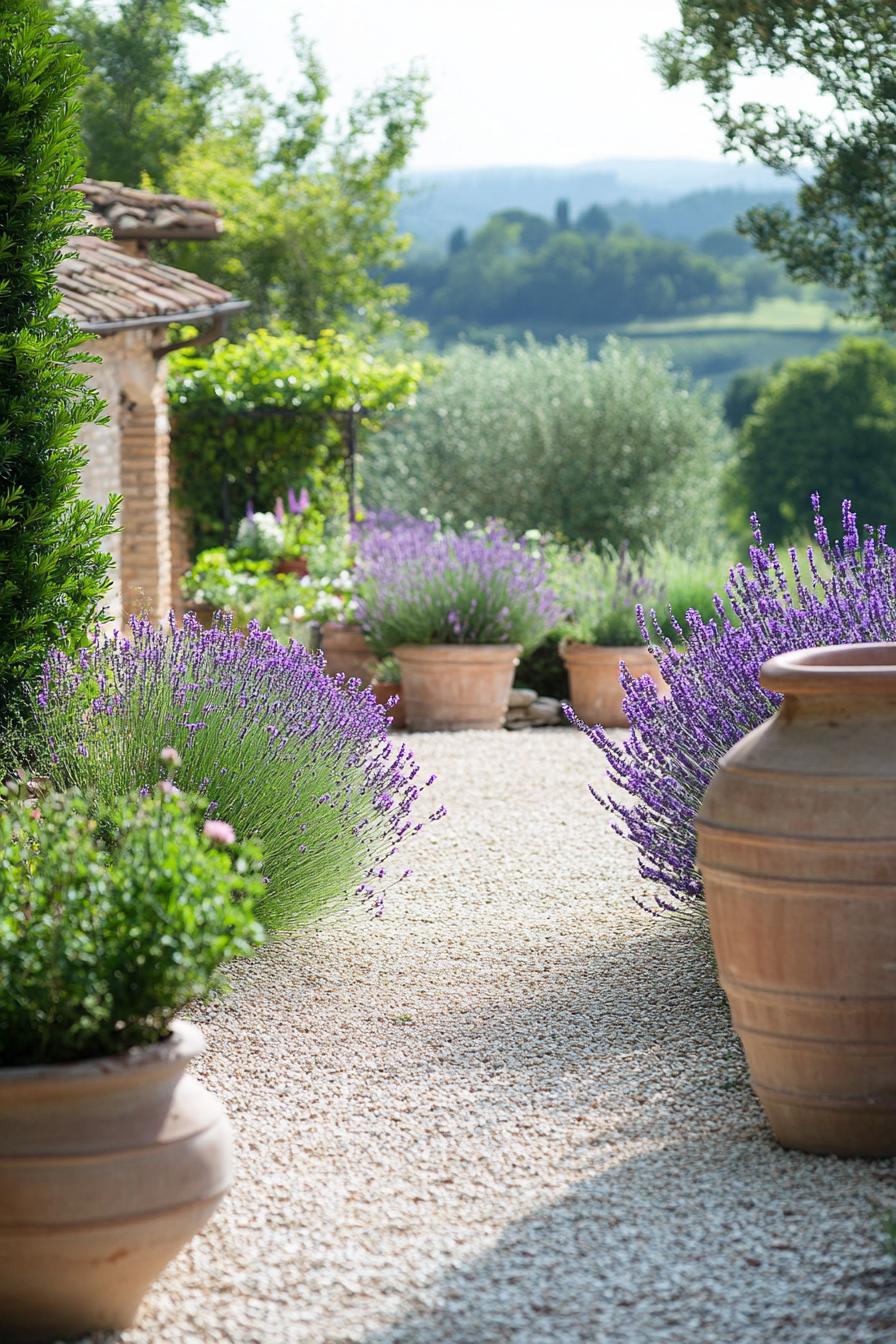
{"x":107,"y":1169}
{"x":595,"y":691}
{"x":346,"y":650}
{"x":450,"y":687}
{"x":797,"y":847}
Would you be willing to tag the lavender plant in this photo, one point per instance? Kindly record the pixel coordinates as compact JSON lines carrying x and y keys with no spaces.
{"x":842,"y":593}
{"x":421,"y":583}
{"x":601,"y":589}
{"x":288,"y":755}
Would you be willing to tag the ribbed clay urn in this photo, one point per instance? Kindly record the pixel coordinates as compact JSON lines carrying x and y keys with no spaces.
{"x":346,"y":650}
{"x":107,"y":1169}
{"x":797,"y":847}
{"x":595,"y":692}
{"x":450,"y":687}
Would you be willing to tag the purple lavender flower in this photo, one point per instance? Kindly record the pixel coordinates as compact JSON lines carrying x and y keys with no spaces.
{"x":677,"y":740}
{"x":422,"y":583}
{"x":260,"y":730}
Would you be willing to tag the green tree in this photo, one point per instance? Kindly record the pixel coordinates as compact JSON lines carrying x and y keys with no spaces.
{"x":841,"y":232}
{"x":594,"y":220}
{"x":825,"y":423}
{"x":741,"y":395}
{"x":53,"y":572}
{"x":140,"y":103}
{"x":562,"y":218}
{"x":619,"y":448}
{"x":458,"y":240}
{"x":309,"y":233}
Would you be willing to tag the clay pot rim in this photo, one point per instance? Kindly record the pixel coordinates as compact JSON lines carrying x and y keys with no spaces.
{"x":458,"y":652}
{"x":580,"y":648}
{"x":182,"y":1042}
{"x":851,"y":668}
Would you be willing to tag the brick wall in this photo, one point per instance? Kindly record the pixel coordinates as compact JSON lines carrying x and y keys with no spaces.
{"x":130,"y":456}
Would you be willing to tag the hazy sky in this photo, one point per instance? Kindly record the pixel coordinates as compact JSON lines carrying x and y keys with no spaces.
{"x":513,"y":81}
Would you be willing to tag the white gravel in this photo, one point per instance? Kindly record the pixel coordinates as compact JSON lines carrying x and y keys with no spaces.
{"x":512,"y":1110}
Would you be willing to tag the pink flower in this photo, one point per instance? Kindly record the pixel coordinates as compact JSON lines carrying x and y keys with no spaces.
{"x":170,"y":790}
{"x":279,"y":511}
{"x":219,"y":832}
{"x":304,"y":500}
{"x":170,"y":756}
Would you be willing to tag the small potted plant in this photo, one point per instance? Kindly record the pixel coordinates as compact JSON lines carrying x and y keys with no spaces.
{"x":111,"y":1155}
{"x":602,"y":591}
{"x":386,"y":688}
{"x":456,"y":609}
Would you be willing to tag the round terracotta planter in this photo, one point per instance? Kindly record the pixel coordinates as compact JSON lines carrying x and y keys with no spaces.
{"x":797,"y":846}
{"x":593,"y":669}
{"x":107,"y":1169}
{"x":450,"y":687}
{"x":346,"y":650}
{"x":383,"y":692}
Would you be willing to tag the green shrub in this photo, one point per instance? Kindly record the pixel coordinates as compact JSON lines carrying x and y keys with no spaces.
{"x":53,"y":572}
{"x":620,"y":448}
{"x":255,"y":418}
{"x":826,"y":424}
{"x":542,"y":669}
{"x":110,"y":924}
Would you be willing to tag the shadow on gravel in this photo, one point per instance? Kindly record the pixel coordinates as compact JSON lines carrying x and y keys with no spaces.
{"x":654,"y":991}
{"x":709,"y":1242}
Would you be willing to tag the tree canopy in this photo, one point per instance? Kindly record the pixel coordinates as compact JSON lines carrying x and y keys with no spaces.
{"x":825,"y":423}
{"x":309,"y":234}
{"x":841,"y":231}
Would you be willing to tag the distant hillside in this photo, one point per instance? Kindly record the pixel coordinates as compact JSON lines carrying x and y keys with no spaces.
{"x":435,"y":203}
{"x":687,"y":219}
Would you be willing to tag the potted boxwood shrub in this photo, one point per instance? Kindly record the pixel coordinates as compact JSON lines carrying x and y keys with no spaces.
{"x":111,"y":1155}
{"x":456,"y":609}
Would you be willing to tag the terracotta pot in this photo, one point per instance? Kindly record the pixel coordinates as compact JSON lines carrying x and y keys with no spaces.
{"x":347,"y":651}
{"x":384,"y":691}
{"x":107,"y":1169}
{"x":593,"y":669}
{"x":797,"y":846}
{"x":449,"y":687}
{"x":292,"y":564}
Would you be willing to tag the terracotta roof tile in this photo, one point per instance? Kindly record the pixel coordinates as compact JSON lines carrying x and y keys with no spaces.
{"x":135,"y":214}
{"x":104,"y":287}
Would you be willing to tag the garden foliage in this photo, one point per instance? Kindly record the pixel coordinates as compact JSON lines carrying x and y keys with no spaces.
{"x":53,"y":572}
{"x":618,"y":448}
{"x":422,"y":583}
{"x":827,"y":422}
{"x":601,"y":588}
{"x":836,"y":593}
{"x":841,"y":230}
{"x":111,"y":923}
{"x":310,"y":235}
{"x":253,"y":419}
{"x":298,"y":760}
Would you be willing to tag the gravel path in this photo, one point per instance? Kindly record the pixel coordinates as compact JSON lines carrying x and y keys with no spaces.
{"x":512,"y":1110}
